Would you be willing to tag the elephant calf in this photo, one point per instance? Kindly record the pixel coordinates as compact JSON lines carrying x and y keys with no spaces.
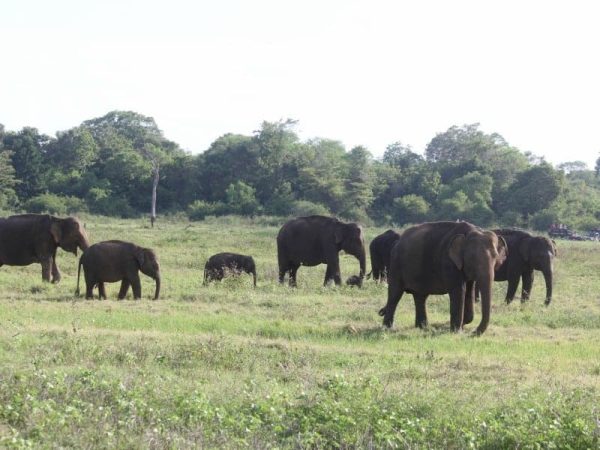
{"x":110,"y":261}
{"x":222,"y":264}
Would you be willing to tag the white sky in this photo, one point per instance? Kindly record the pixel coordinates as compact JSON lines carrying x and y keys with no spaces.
{"x":364,"y":72}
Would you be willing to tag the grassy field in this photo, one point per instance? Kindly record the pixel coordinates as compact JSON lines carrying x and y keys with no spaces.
{"x":228,"y":366}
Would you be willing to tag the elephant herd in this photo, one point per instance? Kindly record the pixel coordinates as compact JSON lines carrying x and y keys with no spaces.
{"x":454,"y":258}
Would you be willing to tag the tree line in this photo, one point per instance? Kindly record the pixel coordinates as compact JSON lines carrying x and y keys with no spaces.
{"x":109,"y":165}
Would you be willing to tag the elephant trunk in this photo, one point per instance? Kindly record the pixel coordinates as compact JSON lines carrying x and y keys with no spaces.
{"x":157,"y":291}
{"x":254,"y":276}
{"x":484,"y":284}
{"x":548,"y":279}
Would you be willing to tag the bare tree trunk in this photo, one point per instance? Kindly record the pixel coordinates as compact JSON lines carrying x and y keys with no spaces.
{"x":156,"y":172}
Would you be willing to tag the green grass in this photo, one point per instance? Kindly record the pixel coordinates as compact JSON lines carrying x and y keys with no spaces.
{"x":228,"y":366}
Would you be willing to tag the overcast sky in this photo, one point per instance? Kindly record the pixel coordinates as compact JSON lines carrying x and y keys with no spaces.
{"x":363,"y":72}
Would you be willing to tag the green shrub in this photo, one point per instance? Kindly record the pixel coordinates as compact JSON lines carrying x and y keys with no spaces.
{"x":54,"y":204}
{"x":306,"y":208}
{"x":200,"y":209}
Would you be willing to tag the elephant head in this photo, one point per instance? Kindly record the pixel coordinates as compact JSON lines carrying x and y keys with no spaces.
{"x":249,"y":267}
{"x":69,"y":234}
{"x":539,"y":252}
{"x":148,"y":263}
{"x":349,"y":237}
{"x":477,"y":255}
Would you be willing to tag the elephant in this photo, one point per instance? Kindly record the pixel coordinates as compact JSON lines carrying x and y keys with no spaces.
{"x":314,"y":240}
{"x":110,"y":261}
{"x":437,"y":258}
{"x":222,"y":264}
{"x":526,"y":253}
{"x":33,"y":238}
{"x":380,"y":249}
{"x":354,"y":280}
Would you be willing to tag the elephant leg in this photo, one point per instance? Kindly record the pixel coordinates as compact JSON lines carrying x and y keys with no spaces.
{"x":457,"y":306}
{"x":89,"y":290}
{"x":292,"y":274}
{"x":136,"y":286}
{"x":527,"y":285}
{"x":46,"y":268}
{"x":332,"y":273}
{"x":513,"y":283}
{"x":101,"y":291}
{"x":124,"y":288}
{"x":421,"y":320}
{"x":55,"y":272}
{"x":394,"y":295}
{"x":469,"y":297}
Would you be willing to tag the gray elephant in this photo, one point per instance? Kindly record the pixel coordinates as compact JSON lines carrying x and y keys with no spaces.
{"x":526,"y":253}
{"x":222,"y":264}
{"x":444,"y":258}
{"x":33,"y":238}
{"x":314,"y":240}
{"x":110,"y":261}
{"x":380,"y":249}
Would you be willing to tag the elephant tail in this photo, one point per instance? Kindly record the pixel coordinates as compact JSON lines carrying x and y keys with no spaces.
{"x":205,"y":277}
{"x":78,"y":273}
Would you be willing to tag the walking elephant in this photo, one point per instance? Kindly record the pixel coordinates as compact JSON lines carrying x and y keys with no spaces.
{"x":314,"y":240}
{"x":526,"y":253}
{"x":444,"y":258}
{"x":380,"y":249}
{"x":110,"y":261}
{"x":33,"y":238}
{"x":222,"y":264}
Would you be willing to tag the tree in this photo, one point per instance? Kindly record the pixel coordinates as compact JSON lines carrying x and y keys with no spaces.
{"x":410,"y":208}
{"x":359,"y":183}
{"x":27,"y":148}
{"x":534,"y":190}
{"x":7,"y":174}
{"x":136,"y":133}
{"x":572,"y":166}
{"x":597,"y":169}
{"x":241,"y":199}
{"x":401,"y":156}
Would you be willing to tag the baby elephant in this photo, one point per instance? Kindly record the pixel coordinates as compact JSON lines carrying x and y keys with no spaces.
{"x":110,"y":261}
{"x":222,"y":264}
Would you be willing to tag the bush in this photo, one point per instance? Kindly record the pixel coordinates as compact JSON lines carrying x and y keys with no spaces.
{"x":542,"y":220}
{"x":306,"y":208}
{"x":199,"y":209}
{"x":54,"y":204}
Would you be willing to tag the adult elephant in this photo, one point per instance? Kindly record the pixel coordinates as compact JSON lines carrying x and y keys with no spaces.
{"x":33,"y":238}
{"x":444,"y":258}
{"x":380,"y":249}
{"x":526,"y":253}
{"x":314,"y":240}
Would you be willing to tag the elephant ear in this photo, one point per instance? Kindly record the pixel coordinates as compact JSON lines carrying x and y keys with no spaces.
{"x":56,"y":232}
{"x":525,"y":248}
{"x":455,"y":250}
{"x":139,"y":256}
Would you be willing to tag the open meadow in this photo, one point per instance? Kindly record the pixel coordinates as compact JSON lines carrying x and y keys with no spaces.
{"x":229,"y":366}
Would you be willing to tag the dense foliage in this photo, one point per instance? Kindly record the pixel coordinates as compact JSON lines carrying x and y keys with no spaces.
{"x":106,"y":166}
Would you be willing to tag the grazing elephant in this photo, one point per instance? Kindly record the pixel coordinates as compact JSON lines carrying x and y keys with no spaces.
{"x":380,"y":249}
{"x":526,"y":253}
{"x":110,"y":261}
{"x":222,"y":264}
{"x":316,"y":240}
{"x":33,"y":238}
{"x":444,"y":258}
